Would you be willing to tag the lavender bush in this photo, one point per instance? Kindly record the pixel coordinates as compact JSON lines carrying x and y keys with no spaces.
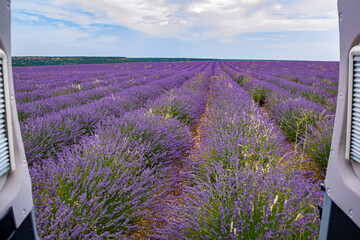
{"x":295,"y":116}
{"x":242,"y":203}
{"x":185,"y":104}
{"x":317,"y":143}
{"x":97,"y":190}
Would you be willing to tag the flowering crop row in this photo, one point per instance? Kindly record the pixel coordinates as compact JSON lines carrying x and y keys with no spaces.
{"x":82,"y":91}
{"x":51,"y":81}
{"x":322,"y":75}
{"x":297,"y":108}
{"x":320,"y":95}
{"x":46,"y":135}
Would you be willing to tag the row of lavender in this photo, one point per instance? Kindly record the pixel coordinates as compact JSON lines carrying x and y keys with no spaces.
{"x":317,"y":86}
{"x":47,"y":133}
{"x":108,"y":183}
{"x":71,"y":88}
{"x":28,"y":79}
{"x":302,"y":103}
{"x":243,"y":183}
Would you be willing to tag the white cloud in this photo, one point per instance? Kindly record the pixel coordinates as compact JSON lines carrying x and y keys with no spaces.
{"x":106,"y":39}
{"x":220,"y":6}
{"x":229,"y":18}
{"x":154,"y":18}
{"x":200,"y":19}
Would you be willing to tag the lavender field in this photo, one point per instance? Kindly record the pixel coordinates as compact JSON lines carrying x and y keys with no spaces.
{"x":180,"y":150}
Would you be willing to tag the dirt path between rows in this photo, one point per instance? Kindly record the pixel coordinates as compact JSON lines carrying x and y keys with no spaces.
{"x":179,"y":174}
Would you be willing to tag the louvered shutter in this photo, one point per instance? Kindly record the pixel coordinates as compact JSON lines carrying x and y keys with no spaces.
{"x":355,"y":113}
{"x":4,"y":143}
{"x":6,"y":163}
{"x":355,"y":118}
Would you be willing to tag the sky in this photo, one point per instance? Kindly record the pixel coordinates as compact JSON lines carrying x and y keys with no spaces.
{"x":224,"y":29}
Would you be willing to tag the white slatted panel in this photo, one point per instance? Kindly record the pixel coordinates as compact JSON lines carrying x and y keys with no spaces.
{"x":355,"y":119}
{"x":4,"y":143}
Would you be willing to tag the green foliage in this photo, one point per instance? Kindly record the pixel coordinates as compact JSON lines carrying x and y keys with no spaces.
{"x":259,"y":94}
{"x":172,"y":109}
{"x":241,"y":80}
{"x":317,"y":145}
{"x":238,"y":205}
{"x":295,"y":123}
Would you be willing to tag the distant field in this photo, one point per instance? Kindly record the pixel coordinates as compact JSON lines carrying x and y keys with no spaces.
{"x":45,"y":61}
{"x":177,"y":150}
